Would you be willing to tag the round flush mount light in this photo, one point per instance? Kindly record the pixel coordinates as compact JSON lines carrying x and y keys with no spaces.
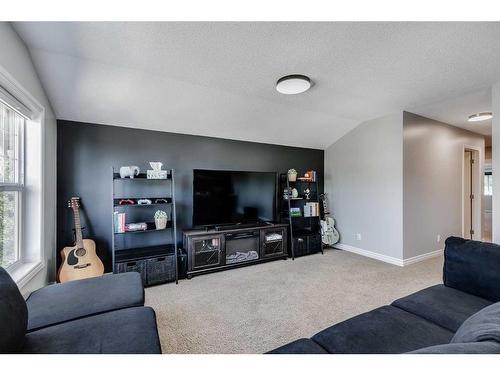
{"x":293,"y":84}
{"x":481,"y":116}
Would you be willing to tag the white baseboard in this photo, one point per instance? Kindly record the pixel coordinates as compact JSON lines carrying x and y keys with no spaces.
{"x":369,"y":254}
{"x":386,"y":258}
{"x":422,"y":257}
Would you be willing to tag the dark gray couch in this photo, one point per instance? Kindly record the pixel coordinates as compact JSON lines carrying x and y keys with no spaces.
{"x":99,"y":315}
{"x":460,"y":316}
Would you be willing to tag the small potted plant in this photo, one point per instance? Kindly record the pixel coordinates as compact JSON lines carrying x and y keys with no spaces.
{"x":292,"y":175}
{"x":161,"y":219}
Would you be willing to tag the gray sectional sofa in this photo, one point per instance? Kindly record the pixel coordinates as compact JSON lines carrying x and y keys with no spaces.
{"x":462,"y":315}
{"x":99,"y":315}
{"x":107,"y":315}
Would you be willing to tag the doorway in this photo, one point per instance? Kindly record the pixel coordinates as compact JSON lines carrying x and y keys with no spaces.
{"x":487,"y":204}
{"x":472,"y":194}
{"x":487,"y":192}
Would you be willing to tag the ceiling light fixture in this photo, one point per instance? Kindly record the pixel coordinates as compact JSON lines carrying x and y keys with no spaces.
{"x":481,"y":116}
{"x":293,"y":84}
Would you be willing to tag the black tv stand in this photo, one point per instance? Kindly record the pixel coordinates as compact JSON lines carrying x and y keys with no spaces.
{"x":224,"y":227}
{"x":245,"y":244}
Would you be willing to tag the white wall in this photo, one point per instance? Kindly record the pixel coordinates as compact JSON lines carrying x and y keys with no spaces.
{"x":15,"y":59}
{"x":432,"y":182}
{"x":397,"y":181}
{"x":364,"y":182}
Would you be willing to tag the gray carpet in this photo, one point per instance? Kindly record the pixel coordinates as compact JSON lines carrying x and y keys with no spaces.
{"x":258,"y":308}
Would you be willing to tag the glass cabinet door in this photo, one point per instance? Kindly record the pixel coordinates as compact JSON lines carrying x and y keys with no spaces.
{"x":273,"y":242}
{"x":207,"y":251}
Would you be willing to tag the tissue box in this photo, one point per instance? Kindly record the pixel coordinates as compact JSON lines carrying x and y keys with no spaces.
{"x":157,"y":175}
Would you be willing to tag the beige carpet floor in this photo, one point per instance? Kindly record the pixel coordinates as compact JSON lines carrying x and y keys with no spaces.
{"x":258,"y":308}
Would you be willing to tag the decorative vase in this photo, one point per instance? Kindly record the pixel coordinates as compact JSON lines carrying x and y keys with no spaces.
{"x":292,"y":175}
{"x":161,"y":223}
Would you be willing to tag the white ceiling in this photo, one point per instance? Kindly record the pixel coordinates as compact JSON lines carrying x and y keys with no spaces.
{"x":218,"y":79}
{"x":457,"y":110}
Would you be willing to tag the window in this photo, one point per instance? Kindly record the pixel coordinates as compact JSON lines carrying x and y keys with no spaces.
{"x":488,"y":186}
{"x":22,"y":120}
{"x":12,"y":126}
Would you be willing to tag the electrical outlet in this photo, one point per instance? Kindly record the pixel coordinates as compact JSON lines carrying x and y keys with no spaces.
{"x":438,"y":238}
{"x":358,"y":236}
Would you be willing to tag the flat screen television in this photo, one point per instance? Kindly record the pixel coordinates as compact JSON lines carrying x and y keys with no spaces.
{"x":233,"y":197}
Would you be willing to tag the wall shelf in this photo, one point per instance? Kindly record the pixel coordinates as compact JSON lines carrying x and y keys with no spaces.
{"x":169,"y":227}
{"x":116,"y":201}
{"x":154,"y":256}
{"x":141,"y":205}
{"x":305,"y":231}
{"x":126,"y":255}
{"x":140,"y":177}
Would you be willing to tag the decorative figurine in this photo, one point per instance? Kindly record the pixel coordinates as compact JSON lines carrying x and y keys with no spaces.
{"x":307,"y":193}
{"x":129,"y":171}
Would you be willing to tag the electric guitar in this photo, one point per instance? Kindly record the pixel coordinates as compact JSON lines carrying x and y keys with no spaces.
{"x":329,"y":235}
{"x":79,"y":261}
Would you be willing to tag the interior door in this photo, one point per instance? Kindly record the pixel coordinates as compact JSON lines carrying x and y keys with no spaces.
{"x":468,"y":194}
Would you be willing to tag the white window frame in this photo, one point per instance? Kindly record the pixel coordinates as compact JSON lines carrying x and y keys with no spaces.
{"x":18,"y":187}
{"x":31,"y":229}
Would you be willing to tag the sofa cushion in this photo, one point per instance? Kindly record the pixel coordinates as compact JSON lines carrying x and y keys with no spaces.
{"x":13,"y":315}
{"x":472,"y":267}
{"x":387,"y":329}
{"x":485,"y":347}
{"x":482,"y":326}
{"x":125,"y":331}
{"x":59,"y":303}
{"x":447,"y":307}
{"x":301,"y":346}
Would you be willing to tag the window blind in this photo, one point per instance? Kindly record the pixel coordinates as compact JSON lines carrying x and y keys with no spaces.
{"x":14,"y":103}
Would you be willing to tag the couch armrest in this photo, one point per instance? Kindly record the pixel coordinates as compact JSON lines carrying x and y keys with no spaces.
{"x":472,"y":267}
{"x":60,"y":303}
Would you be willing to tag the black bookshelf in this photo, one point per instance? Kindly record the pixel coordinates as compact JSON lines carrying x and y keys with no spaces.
{"x":151,"y":252}
{"x":304,"y":231}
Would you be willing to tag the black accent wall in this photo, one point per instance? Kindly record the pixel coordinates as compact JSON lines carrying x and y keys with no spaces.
{"x":86,"y":153}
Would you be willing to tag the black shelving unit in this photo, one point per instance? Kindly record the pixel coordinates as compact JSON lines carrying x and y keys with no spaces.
{"x":304,"y":232}
{"x":151,"y":252}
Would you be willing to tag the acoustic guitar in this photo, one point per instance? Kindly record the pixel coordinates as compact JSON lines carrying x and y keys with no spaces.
{"x":329,"y":234}
{"x":79,"y":261}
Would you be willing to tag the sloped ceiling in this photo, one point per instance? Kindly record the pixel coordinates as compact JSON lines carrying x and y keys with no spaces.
{"x":457,"y":110}
{"x":218,"y":79}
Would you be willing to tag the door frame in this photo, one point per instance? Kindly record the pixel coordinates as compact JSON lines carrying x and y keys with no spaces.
{"x":478,"y":190}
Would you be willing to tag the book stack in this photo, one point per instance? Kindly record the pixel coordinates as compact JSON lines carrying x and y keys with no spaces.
{"x":311,"y":209}
{"x":119,"y":219}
